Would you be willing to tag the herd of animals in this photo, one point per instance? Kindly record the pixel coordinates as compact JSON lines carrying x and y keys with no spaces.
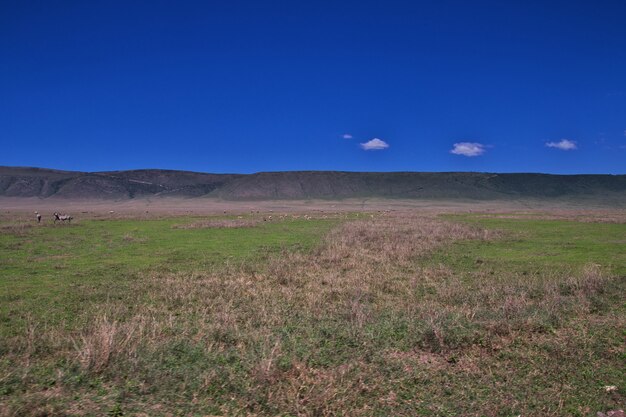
{"x":58,"y":217}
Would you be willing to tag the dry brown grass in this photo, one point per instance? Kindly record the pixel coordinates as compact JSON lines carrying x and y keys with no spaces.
{"x":129,"y":237}
{"x":586,"y":216}
{"x":17,"y":228}
{"x":107,"y":339}
{"x":218,"y":224}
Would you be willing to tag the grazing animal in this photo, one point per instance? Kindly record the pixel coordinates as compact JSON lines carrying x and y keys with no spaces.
{"x":38,"y":217}
{"x":62,"y":217}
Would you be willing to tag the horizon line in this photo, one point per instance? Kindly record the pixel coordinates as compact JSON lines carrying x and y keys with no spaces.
{"x":303,"y":170}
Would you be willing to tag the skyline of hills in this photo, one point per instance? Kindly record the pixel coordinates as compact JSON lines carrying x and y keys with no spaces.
{"x":121,"y":185}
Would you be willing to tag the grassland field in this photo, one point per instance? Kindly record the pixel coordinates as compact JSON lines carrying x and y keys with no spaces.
{"x":342,"y":314}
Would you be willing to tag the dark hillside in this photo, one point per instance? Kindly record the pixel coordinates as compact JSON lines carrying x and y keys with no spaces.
{"x":44,"y":183}
{"x":440,"y":185}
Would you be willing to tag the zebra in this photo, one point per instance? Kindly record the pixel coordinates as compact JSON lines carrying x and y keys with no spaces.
{"x":62,"y":217}
{"x":38,"y":217}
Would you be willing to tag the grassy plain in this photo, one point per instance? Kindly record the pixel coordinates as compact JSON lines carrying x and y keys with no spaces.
{"x":392,"y":313}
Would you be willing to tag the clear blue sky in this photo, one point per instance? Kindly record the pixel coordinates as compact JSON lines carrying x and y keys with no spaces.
{"x":247,"y":86}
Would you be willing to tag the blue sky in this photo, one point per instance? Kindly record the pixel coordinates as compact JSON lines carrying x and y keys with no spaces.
{"x":247,"y":86}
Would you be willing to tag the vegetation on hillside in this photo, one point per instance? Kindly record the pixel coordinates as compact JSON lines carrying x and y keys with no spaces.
{"x":302,"y":185}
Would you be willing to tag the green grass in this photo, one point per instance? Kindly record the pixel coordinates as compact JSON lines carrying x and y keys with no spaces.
{"x":287,"y":319}
{"x":138,"y":244}
{"x":52,"y":271}
{"x":568,"y":354}
{"x":534,"y":245}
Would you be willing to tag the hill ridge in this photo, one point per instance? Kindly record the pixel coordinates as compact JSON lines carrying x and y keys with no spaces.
{"x":310,"y":184}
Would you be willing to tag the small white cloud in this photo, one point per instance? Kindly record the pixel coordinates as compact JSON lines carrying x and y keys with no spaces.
{"x":374,"y":145}
{"x":468,"y":149}
{"x":346,"y":136}
{"x":563,"y":144}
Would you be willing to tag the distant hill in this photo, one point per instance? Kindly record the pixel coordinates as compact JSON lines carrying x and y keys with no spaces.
{"x":45,"y":183}
{"x":39,"y":182}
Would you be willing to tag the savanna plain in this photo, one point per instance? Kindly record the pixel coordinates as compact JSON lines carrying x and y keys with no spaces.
{"x":307,"y":312}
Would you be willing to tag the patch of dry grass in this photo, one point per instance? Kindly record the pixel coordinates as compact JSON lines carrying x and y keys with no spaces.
{"x":131,"y":238}
{"x":595,"y":216}
{"x":218,"y":224}
{"x":16,"y":228}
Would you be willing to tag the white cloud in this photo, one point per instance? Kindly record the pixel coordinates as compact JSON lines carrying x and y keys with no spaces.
{"x":346,"y":136}
{"x":374,"y":144}
{"x":468,"y":149}
{"x":564,"y":145}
